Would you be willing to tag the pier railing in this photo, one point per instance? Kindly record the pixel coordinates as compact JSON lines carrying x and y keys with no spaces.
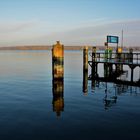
{"x":129,"y":58}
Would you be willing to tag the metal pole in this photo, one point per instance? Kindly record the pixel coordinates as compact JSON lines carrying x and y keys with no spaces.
{"x":122,"y":40}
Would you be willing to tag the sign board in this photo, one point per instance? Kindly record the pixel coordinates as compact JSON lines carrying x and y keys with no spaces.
{"x":112,"y":39}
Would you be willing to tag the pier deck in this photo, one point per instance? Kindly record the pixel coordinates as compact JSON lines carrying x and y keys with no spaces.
{"x":118,"y":59}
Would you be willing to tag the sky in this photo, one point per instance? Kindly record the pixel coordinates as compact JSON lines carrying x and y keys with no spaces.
{"x":73,"y":22}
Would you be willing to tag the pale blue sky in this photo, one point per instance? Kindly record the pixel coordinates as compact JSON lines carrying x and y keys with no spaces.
{"x":74,"y":22}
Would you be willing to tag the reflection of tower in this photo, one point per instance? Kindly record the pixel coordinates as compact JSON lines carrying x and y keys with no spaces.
{"x":58,"y":75}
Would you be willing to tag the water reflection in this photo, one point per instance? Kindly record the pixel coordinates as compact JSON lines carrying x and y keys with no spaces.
{"x":85,"y":81}
{"x":109,"y":100}
{"x":58,"y":100}
{"x":112,"y":91}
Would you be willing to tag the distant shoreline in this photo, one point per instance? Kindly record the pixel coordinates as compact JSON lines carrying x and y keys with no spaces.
{"x":65,"y":48}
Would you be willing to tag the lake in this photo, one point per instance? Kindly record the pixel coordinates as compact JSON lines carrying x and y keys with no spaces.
{"x":29,"y":108}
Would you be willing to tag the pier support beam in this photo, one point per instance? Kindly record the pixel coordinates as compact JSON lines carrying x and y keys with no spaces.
{"x":94,"y":69}
{"x":132,"y":73}
{"x":132,"y":67}
{"x":131,"y":55}
{"x":85,"y":69}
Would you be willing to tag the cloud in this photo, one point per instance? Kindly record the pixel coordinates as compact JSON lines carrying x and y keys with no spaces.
{"x":18,"y":32}
{"x":88,"y":33}
{"x":96,"y":34}
{"x":15,"y":26}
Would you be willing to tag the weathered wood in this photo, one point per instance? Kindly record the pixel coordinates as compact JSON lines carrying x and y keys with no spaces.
{"x":85,"y":69}
{"x":130,"y":59}
{"x":58,"y":61}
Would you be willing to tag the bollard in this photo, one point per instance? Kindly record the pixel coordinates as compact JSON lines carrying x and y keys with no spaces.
{"x":58,"y":61}
{"x":85,"y":69}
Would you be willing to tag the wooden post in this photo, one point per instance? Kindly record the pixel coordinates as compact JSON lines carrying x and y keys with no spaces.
{"x":58,"y":76}
{"x":132,"y":73}
{"x":58,"y":61}
{"x":106,"y":70}
{"x":132,"y":67}
{"x":119,"y":56}
{"x":85,"y":69}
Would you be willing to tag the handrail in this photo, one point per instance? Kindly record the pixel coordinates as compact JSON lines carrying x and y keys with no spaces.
{"x":122,"y":57}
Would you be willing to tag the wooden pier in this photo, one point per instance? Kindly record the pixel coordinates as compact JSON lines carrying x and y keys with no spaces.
{"x":110,"y":59}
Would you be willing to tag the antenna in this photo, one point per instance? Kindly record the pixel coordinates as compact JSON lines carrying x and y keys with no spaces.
{"x":122,"y":40}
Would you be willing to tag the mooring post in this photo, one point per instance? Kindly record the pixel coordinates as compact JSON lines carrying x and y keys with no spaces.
{"x":58,"y":61}
{"x":58,"y":76}
{"x":85,"y":69}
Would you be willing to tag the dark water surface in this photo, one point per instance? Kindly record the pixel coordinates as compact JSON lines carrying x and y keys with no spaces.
{"x":27,"y":102}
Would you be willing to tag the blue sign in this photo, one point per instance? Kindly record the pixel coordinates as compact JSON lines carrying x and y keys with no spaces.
{"x":112,"y":39}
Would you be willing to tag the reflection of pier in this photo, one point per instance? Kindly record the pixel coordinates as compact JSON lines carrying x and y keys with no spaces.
{"x":112,"y":92}
{"x":115,"y":76}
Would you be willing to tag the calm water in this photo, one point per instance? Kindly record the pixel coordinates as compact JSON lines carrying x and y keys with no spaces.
{"x":29,"y":110}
